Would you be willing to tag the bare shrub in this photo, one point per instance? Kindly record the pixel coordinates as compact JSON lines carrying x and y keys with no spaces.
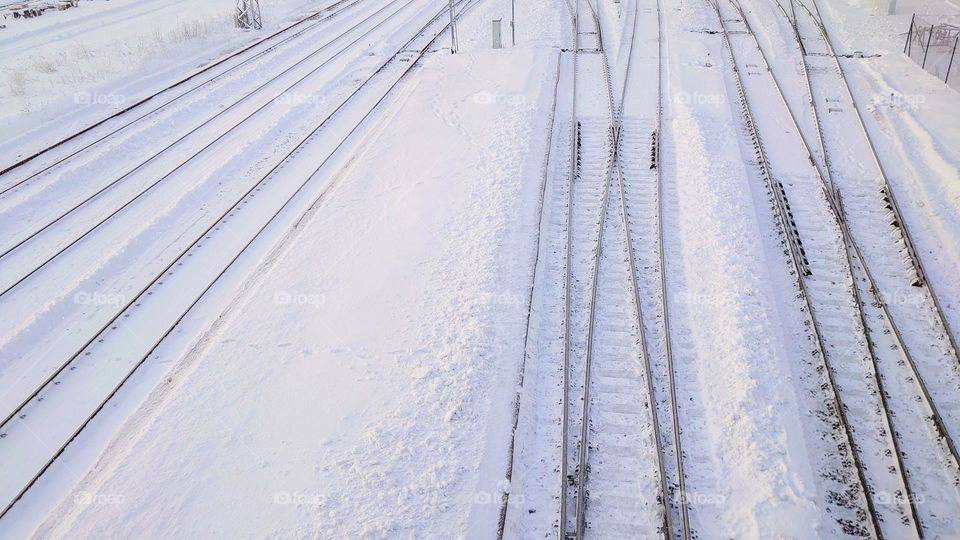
{"x":17,"y":82}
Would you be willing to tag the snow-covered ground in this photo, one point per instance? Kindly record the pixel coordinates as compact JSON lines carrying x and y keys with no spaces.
{"x":65,"y":69}
{"x":396,"y":315}
{"x":915,"y":121}
{"x":326,"y":294}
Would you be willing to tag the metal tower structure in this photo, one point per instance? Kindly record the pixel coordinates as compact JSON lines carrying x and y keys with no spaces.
{"x":247,"y":15}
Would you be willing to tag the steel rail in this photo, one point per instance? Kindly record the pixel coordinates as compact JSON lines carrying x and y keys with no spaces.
{"x":878,"y":297}
{"x":837,"y":405}
{"x":668,"y":531}
{"x":887,"y":187}
{"x":419,"y":55}
{"x":533,"y":285}
{"x":833,"y":199}
{"x":217,"y":63}
{"x":580,"y":481}
{"x":825,"y":171}
{"x":160,"y":180}
{"x":793,"y":11}
{"x":884,"y":400}
{"x":664,"y":495}
{"x":661,"y":246}
{"x":503,"y":512}
{"x":582,"y":459}
{"x":571,"y":178}
{"x":158,"y":276}
{"x":794,"y":246}
{"x":665,"y":302}
{"x":316,"y":22}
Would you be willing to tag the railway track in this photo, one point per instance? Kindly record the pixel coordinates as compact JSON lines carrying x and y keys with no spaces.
{"x":640,"y":187}
{"x":23,"y":182}
{"x":859,"y":340}
{"x":546,"y":328}
{"x":145,"y":107}
{"x":815,"y":267}
{"x":81,"y":266}
{"x":890,"y":208}
{"x":616,"y":443}
{"x":926,"y":448}
{"x":892,"y":268}
{"x":588,"y":191}
{"x":872,"y":413}
{"x":40,"y":247}
{"x":42,"y":428}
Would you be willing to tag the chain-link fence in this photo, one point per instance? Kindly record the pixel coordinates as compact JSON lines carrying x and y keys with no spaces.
{"x":934,"y":47}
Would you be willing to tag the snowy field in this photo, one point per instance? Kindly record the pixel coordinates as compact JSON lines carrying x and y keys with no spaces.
{"x":106,"y":52}
{"x":659,"y":269}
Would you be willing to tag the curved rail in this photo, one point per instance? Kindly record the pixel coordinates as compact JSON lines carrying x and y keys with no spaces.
{"x":833,"y":199}
{"x":887,"y":188}
{"x":580,"y":481}
{"x":783,"y":220}
{"x":666,"y":521}
{"x":668,"y":530}
{"x":598,"y":248}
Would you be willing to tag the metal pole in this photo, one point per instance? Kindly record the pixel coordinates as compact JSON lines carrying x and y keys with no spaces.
{"x":453,"y":31}
{"x":513,"y":25}
{"x":247,"y":15}
{"x":909,"y":32}
{"x":927,"y":50}
{"x":954,"y":53}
